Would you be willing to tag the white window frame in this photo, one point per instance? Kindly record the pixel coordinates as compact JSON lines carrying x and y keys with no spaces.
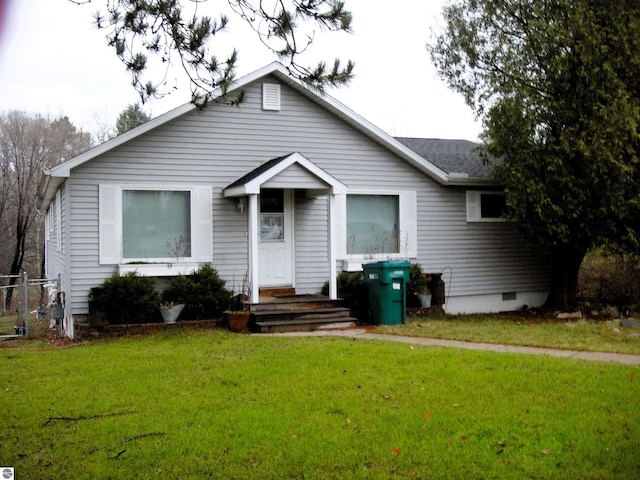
{"x":474,"y":206}
{"x":408,"y":236}
{"x":110,"y":231}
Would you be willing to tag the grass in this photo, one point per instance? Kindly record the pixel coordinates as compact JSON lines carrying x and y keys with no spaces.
{"x":211,"y":404}
{"x":7,"y":323}
{"x":584,"y":335}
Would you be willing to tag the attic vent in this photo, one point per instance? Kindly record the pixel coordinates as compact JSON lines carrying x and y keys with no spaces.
{"x":271,"y":96}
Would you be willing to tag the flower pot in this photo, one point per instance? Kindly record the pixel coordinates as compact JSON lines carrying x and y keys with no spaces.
{"x":425,"y":299}
{"x":237,"y":321}
{"x":171,"y":314}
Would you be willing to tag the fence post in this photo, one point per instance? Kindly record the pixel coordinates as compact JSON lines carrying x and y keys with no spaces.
{"x":25,"y":305}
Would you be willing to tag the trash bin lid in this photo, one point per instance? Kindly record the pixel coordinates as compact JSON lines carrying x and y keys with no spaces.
{"x":394,"y":263}
{"x":385,"y":270}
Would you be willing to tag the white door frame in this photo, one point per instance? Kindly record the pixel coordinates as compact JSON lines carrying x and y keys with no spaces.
{"x":276,"y":259}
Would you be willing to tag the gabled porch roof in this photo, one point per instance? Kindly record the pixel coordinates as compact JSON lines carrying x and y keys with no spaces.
{"x":317,"y":178}
{"x":292,"y":171}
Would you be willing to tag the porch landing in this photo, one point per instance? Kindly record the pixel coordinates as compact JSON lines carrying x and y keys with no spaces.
{"x":288,"y":312}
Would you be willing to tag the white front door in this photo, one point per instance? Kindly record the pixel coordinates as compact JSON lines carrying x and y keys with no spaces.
{"x":275,"y":250}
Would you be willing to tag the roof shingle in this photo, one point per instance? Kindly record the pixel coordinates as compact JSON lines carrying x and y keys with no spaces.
{"x":452,"y":156}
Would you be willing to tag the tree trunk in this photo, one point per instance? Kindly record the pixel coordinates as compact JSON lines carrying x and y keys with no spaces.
{"x":564,"y":281}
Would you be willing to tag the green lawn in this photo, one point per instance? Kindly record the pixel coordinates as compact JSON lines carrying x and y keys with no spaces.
{"x":512,"y":329}
{"x":211,"y":404}
{"x":6,"y":324}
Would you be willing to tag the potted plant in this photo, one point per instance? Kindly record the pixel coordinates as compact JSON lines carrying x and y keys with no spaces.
{"x":170,"y":311}
{"x":237,"y":320}
{"x":419,"y":284}
{"x":202,"y":293}
{"x":238,"y":315}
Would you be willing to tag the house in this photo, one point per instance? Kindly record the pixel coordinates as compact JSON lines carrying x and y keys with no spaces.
{"x":287,"y":189}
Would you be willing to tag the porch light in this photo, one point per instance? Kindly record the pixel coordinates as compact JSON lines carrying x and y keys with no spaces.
{"x":241,"y":203}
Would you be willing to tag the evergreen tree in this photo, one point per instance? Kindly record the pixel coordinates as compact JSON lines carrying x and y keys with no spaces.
{"x":131,"y":117}
{"x":557,"y":85}
{"x":173,"y":33}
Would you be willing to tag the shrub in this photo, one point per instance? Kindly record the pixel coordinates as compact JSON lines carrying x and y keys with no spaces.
{"x":203,"y":294}
{"x":418,"y":284}
{"x":128,"y":298}
{"x":354,"y":293}
{"x":610,"y":278}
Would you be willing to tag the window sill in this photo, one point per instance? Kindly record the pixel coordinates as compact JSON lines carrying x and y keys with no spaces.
{"x":159,"y":269}
{"x":354,"y":262}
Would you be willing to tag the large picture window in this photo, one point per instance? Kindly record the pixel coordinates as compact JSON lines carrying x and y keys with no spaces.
{"x":156,"y":224}
{"x":143,"y":227}
{"x":373,"y":224}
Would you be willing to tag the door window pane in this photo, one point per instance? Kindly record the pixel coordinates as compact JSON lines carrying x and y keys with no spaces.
{"x":272,"y":215}
{"x":156,"y":224}
{"x":372,"y":224}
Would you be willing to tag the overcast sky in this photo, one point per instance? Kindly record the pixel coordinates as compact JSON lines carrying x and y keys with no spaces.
{"x":53,"y":61}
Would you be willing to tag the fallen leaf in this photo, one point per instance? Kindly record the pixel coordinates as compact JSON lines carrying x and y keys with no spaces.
{"x":410,"y":347}
{"x":546,"y":451}
{"x":426,"y":415}
{"x":395,"y":451}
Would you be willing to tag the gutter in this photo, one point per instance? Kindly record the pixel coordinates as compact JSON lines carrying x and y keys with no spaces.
{"x":457,"y":179}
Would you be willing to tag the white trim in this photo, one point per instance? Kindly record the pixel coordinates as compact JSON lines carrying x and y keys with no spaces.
{"x":254,"y":185}
{"x":47,"y":225}
{"x":279,"y":269}
{"x":109,"y":203}
{"x":253,"y":230}
{"x":202,"y":215}
{"x":409,"y":224}
{"x":492,"y":303}
{"x":159,"y":269}
{"x":333,"y":273}
{"x":59,"y":222}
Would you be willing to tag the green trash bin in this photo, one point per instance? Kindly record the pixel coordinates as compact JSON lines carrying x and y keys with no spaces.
{"x":387,"y":281}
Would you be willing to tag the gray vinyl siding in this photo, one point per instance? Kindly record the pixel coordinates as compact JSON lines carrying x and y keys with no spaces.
{"x":311,"y":244}
{"x":55,"y":256}
{"x":294,"y":176}
{"x":222,"y":143}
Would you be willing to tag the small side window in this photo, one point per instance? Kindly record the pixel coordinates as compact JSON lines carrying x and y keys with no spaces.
{"x":485,"y":206}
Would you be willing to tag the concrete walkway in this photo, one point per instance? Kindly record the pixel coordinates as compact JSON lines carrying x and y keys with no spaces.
{"x":490,"y":347}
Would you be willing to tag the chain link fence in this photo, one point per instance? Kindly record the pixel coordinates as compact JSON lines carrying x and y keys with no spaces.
{"x":22,"y":303}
